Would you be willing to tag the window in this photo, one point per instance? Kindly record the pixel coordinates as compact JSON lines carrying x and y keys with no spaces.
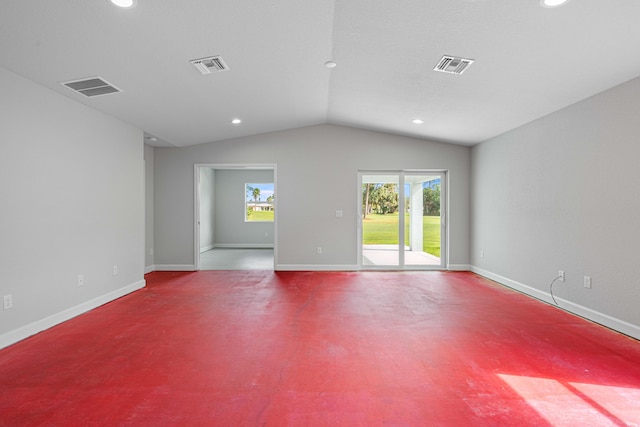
{"x":259,"y":202}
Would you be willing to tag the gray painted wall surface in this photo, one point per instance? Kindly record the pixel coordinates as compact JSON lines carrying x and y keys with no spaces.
{"x":316,"y":173}
{"x":72,"y":202}
{"x":231,"y":228}
{"x":561,"y":193}
{"x":148,"y":207}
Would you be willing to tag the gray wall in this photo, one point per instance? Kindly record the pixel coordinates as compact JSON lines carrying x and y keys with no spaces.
{"x":316,"y":175}
{"x":561,"y":193}
{"x":207,"y":208}
{"x":72,"y":202}
{"x":231,"y":228}
{"x":148,"y":209}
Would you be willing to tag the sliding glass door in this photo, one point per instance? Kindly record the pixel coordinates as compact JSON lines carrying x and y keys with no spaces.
{"x":402,"y":219}
{"x":380,"y":219}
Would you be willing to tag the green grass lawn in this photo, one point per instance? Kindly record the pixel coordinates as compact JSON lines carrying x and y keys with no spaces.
{"x":261,"y":216}
{"x":383,"y":230}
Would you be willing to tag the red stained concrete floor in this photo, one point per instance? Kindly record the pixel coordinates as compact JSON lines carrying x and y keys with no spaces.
{"x":258,"y":348}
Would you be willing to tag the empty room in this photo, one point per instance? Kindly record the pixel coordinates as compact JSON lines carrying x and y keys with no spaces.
{"x":327,"y":213}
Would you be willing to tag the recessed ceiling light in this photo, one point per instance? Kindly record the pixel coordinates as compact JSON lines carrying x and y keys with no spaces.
{"x":236,"y":121}
{"x":123,"y":3}
{"x":418,"y":121}
{"x":552,"y":3}
{"x":330,"y":64}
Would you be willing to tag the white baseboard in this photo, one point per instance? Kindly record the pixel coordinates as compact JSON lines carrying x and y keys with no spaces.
{"x":315,"y":267}
{"x":207,"y":248}
{"x":459,"y":267}
{"x":244,"y":245}
{"x":588,"y":313}
{"x":148,"y":269}
{"x":355,"y":267}
{"x":26,"y":331}
{"x":525,"y":289}
{"x":175,"y":267}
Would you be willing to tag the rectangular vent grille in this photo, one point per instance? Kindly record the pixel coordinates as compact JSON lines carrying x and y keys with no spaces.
{"x":93,"y":86}
{"x":453,"y":65}
{"x":210,"y":64}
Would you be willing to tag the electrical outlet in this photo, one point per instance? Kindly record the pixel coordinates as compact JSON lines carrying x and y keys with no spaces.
{"x":561,"y":275}
{"x":587,"y":282}
{"x":482,"y":253}
{"x":80,"y":280}
{"x":8,"y":301}
{"x":339,"y":214}
{"x":115,"y":270}
{"x":319,"y":250}
{"x":150,"y":251}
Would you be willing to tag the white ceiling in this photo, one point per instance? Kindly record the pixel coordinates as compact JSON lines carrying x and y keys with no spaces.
{"x":529,"y":61}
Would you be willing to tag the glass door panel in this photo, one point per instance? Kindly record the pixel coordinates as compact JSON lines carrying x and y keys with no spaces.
{"x":381,"y":220}
{"x":423,"y":219}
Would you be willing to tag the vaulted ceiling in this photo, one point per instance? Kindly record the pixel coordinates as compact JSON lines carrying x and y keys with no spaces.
{"x":529,"y":62}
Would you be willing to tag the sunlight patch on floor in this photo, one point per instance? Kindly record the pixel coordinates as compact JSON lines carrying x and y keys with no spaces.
{"x":564,"y":403}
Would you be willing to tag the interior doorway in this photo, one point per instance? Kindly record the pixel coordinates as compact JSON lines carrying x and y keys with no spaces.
{"x":237,"y":259}
{"x":402,"y":219}
{"x":235,"y":216}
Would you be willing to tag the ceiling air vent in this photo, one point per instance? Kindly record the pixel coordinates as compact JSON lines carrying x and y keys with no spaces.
{"x":93,"y":86}
{"x":453,"y":65}
{"x":210,"y":64}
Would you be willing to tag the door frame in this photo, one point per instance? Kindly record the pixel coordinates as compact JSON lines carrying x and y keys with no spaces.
{"x":444,"y":228}
{"x":196,"y":198}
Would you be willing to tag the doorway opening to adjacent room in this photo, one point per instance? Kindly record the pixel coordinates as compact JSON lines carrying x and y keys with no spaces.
{"x":231,"y":231}
{"x":402,"y":221}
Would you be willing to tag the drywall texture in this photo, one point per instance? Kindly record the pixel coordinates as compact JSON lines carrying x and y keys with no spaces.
{"x":207,"y":182}
{"x":316,"y":175}
{"x":561,"y":193}
{"x":72,"y":202}
{"x":231,"y":228}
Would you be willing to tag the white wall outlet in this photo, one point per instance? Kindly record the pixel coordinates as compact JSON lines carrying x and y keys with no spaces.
{"x":561,"y":275}
{"x":115,"y":270}
{"x":339,"y":214}
{"x":150,"y":251}
{"x":482,"y":253}
{"x":319,"y":250}
{"x":8,"y":301}
{"x":587,"y":282}
{"x":80,"y":280}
